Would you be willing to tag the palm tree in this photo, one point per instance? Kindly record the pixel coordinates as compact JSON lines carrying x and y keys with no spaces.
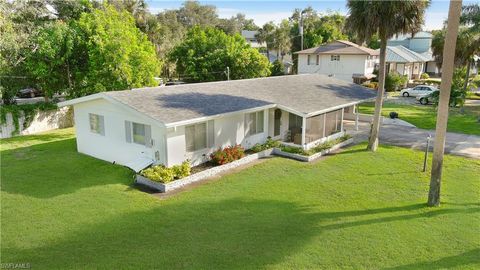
{"x":442,"y":113}
{"x":385,"y":18}
{"x":281,"y":41}
{"x":265,"y":34}
{"x":468,"y":40}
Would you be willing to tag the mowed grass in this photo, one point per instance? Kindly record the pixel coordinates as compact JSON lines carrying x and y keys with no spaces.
{"x":459,"y":121}
{"x":355,"y":210}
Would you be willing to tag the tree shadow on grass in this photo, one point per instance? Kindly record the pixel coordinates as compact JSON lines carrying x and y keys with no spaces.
{"x":223,"y":234}
{"x":56,"y":168}
{"x":469,"y":258}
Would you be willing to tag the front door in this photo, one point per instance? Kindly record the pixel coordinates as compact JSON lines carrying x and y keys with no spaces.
{"x":276,"y":122}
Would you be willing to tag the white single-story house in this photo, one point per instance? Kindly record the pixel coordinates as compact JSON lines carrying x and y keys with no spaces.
{"x":341,"y":59}
{"x":405,"y":62}
{"x":169,"y":125}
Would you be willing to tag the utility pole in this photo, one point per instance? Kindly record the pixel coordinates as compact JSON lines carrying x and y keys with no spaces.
{"x":301,"y":30}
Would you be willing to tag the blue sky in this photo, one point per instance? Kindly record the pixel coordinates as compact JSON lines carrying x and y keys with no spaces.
{"x":264,"y":11}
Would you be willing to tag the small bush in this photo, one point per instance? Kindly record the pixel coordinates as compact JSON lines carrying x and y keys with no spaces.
{"x":227,"y":154}
{"x":267,"y":145}
{"x":345,"y":137}
{"x":395,"y":81}
{"x":373,"y":85}
{"x":181,"y":171}
{"x":319,"y":148}
{"x":393,"y":115}
{"x":162,"y":174}
{"x":424,"y":76}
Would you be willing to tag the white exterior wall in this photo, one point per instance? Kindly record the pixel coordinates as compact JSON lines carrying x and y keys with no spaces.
{"x":113,"y":147}
{"x":343,"y":69}
{"x":228,"y":130}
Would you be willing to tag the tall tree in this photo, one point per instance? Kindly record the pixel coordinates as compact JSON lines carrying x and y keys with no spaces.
{"x":369,"y":17}
{"x":265,"y":35}
{"x":281,"y":39}
{"x":119,"y":54}
{"x":192,"y":14}
{"x":236,"y":24}
{"x":205,"y":54}
{"x":442,"y":113}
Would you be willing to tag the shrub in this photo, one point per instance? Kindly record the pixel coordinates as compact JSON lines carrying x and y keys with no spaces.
{"x":373,"y":85}
{"x":162,"y":174}
{"x":393,"y":115}
{"x":227,"y":154}
{"x":277,"y":68}
{"x":395,"y":81}
{"x":345,"y":137}
{"x":267,"y":145}
{"x":319,"y":148}
{"x":424,"y":76}
{"x":181,"y":171}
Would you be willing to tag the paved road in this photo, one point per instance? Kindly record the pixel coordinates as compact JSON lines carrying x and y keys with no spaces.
{"x":415,"y":138}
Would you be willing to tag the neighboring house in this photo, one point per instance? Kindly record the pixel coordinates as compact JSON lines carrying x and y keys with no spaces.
{"x":249,"y":36}
{"x":273,"y":54}
{"x":405,"y":62}
{"x":420,"y":43}
{"x":341,"y":59}
{"x":169,"y":125}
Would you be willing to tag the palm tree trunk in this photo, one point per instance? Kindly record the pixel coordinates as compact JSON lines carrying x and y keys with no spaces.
{"x":375,"y":129}
{"x":465,"y":84}
{"x":442,"y":113}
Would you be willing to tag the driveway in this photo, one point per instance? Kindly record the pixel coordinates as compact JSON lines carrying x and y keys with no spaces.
{"x":415,"y":138}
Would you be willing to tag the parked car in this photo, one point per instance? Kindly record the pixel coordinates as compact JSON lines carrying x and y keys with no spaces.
{"x":29,"y":93}
{"x":418,"y":90}
{"x":427,"y":98}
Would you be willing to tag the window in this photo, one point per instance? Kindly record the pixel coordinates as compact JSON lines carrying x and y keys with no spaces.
{"x":308,"y":59}
{"x":97,"y":124}
{"x":138,"y":133}
{"x":253,"y":123}
{"x":333,"y":122}
{"x":334,"y":57}
{"x":199,"y":136}
{"x":318,"y":60}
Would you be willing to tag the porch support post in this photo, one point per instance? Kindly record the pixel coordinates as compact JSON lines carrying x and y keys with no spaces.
{"x":304,"y":127}
{"x":355,"y":111}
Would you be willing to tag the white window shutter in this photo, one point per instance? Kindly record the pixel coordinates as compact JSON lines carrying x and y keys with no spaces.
{"x":101,"y":125}
{"x":211,"y":133}
{"x":148,"y":136}
{"x":128,"y":131}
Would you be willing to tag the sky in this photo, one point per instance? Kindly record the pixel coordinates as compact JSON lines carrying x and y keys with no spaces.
{"x":264,"y":11}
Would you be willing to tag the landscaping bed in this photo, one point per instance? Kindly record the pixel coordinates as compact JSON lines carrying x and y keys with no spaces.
{"x":227,"y":159}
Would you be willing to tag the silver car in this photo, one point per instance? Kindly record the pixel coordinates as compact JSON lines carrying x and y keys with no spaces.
{"x":419,"y":90}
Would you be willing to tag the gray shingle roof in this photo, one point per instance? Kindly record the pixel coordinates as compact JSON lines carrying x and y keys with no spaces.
{"x":305,"y":94}
{"x":400,"y":54}
{"x":339,"y":47}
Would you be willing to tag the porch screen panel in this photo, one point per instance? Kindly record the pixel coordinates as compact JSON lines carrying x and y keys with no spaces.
{"x":315,"y":128}
{"x":333,"y":122}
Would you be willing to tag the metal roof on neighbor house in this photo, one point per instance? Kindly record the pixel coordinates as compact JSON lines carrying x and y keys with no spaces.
{"x":400,"y":54}
{"x":419,"y":35}
{"x":302,"y":94}
{"x":339,"y":47}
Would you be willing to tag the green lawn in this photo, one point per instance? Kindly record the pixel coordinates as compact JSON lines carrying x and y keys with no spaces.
{"x":356,"y":210}
{"x":425,"y":116}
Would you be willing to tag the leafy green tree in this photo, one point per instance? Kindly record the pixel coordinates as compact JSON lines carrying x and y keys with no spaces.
{"x":236,"y":24}
{"x":119,"y":54}
{"x":277,"y":69}
{"x":51,"y":63}
{"x":386,"y":19}
{"x":192,"y":14}
{"x":205,"y":54}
